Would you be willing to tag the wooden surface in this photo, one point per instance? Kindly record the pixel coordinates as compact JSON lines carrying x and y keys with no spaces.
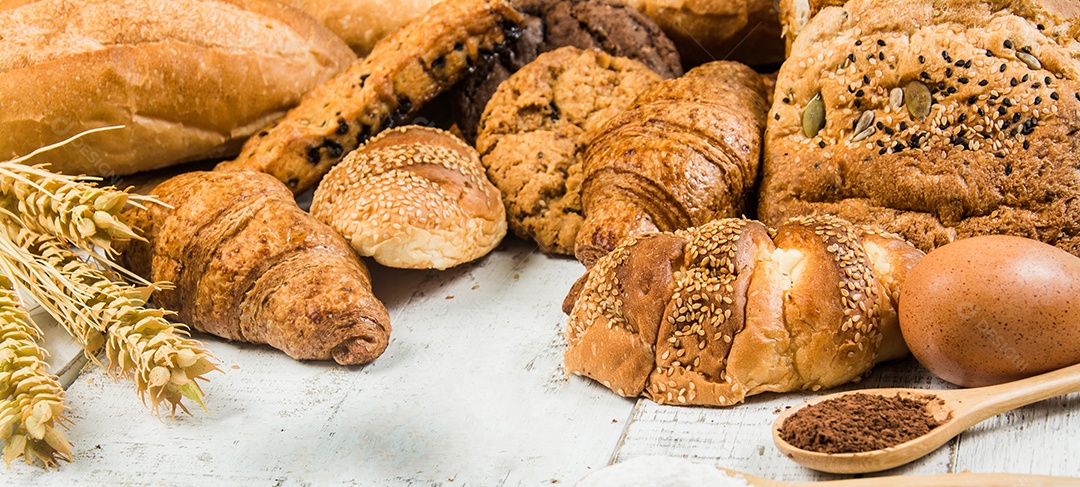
{"x":471,"y":392}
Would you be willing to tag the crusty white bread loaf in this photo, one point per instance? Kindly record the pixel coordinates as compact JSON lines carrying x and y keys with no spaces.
{"x":413,"y":197}
{"x":716,"y":313}
{"x":361,"y":23}
{"x":747,"y":31}
{"x":189,"y":79}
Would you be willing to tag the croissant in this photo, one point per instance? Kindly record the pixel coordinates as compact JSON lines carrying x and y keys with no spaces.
{"x":687,"y":151}
{"x":712,"y":314}
{"x":249,"y":265}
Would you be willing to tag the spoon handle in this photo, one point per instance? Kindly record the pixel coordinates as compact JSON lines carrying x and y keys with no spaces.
{"x":984,"y":402}
{"x":951,"y":480}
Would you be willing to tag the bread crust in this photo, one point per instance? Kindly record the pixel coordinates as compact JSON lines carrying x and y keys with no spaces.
{"x":712,"y":314}
{"x":188,"y":79}
{"x":362,"y":23}
{"x":992,"y":149}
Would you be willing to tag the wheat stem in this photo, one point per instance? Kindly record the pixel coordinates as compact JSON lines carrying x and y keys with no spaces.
{"x":31,"y":399}
{"x":140,"y":342}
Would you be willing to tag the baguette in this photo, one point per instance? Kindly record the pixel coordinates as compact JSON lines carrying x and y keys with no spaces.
{"x":188,"y":79}
{"x":249,"y":265}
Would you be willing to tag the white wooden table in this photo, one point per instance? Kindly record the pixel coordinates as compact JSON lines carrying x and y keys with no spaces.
{"x":470,"y":392}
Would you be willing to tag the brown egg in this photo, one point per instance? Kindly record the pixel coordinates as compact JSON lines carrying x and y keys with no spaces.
{"x":992,"y":309}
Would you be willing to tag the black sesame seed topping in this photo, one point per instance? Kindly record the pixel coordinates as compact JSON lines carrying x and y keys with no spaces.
{"x":951,"y":90}
{"x":1012,"y":133}
{"x":962,"y":118}
{"x":786,"y":100}
{"x":882,"y":151}
{"x":972,"y":99}
{"x":866,"y":79}
{"x":921,"y":59}
{"x":879,"y":125}
{"x":1016,"y":117}
{"x":967,"y":64}
{"x":948,"y":72}
{"x":962,"y":80}
{"x":989,"y":53}
{"x":821,"y":143}
{"x":981,"y":112}
{"x":1040,"y":26}
{"x":881,"y":56}
{"x":1007,"y":102}
{"x":858,"y":103}
{"x":1002,"y":110}
{"x":851,"y":57}
{"x":924,"y":75}
{"x":945,"y":56}
{"x":860,"y":93}
{"x":888,"y":130}
{"x":984,"y":83}
{"x":1008,"y":44}
{"x":858,"y":42}
{"x":903,"y":126}
{"x":959,"y":63}
{"x":1046,"y":80}
{"x":1024,"y":79}
{"x":1027,"y":145}
{"x":1014,"y":82}
{"x":776,"y":116}
{"x":1054,"y":95}
{"x":1038,"y":100}
{"x":1002,"y":68}
{"x":881,"y":42}
{"x":1036,"y":85}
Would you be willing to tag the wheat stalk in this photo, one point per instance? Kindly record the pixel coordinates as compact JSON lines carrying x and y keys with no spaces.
{"x":140,"y":342}
{"x":31,"y":399}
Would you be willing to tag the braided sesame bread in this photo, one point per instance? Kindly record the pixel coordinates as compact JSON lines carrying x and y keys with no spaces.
{"x":404,"y":71}
{"x":685,"y":152}
{"x":249,"y":265}
{"x":712,"y":314}
{"x":535,"y":129}
{"x":936,"y":120}
{"x":413,"y":197}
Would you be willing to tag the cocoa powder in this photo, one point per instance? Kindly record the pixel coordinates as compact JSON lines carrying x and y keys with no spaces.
{"x":859,"y":422}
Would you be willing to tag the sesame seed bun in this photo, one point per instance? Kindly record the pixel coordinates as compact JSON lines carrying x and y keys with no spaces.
{"x":413,"y":197}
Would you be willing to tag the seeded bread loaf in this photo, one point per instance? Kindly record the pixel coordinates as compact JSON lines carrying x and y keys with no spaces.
{"x":685,"y":152}
{"x":249,"y":265}
{"x":188,"y":79}
{"x":403,"y":72}
{"x":413,"y":197}
{"x":715,"y":313}
{"x":938,"y":121}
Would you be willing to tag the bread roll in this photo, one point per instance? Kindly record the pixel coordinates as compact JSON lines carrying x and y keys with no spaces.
{"x":413,"y":197}
{"x":685,"y":152}
{"x":715,"y":313}
{"x":250,"y":265}
{"x":362,"y":23}
{"x":933,"y":123}
{"x":747,"y":31}
{"x":188,"y":79}
{"x":794,"y":14}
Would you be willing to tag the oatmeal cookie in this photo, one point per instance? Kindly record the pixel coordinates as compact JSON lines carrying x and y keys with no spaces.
{"x":535,"y":128}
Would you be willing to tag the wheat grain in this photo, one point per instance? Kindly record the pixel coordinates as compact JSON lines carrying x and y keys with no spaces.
{"x":31,"y":400}
{"x":140,"y":342}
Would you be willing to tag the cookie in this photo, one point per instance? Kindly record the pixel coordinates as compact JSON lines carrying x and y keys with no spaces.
{"x":550,"y":24}
{"x":936,"y":124}
{"x":534,"y":130}
{"x":403,"y":72}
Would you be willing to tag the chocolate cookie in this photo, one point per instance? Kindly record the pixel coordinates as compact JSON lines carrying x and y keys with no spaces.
{"x":616,"y":29}
{"x":533,"y":132}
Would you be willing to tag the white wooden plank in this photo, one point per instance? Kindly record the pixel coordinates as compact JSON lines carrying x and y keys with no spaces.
{"x":471,"y":391}
{"x":1039,"y":438}
{"x":740,"y":437}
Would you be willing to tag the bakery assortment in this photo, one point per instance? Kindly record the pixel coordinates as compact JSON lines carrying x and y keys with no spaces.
{"x":153,"y":67}
{"x":936,"y":124}
{"x":550,"y":24}
{"x":535,"y":128}
{"x":442,"y":209}
{"x":719,"y":312}
{"x":684,"y":153}
{"x":249,"y":265}
{"x":403,"y":72}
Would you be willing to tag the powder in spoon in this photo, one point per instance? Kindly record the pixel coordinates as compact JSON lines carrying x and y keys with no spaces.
{"x":860,"y":422}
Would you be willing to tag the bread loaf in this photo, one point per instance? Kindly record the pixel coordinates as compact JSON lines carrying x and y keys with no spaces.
{"x":685,"y":152}
{"x":747,"y":31}
{"x":188,"y":79}
{"x":413,"y":197}
{"x":934,"y":123}
{"x":249,"y":265}
{"x":403,"y":72}
{"x":715,"y":313}
{"x":362,"y":23}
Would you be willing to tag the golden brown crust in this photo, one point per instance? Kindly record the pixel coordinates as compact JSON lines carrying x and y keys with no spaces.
{"x":685,"y":152}
{"x":362,"y":23}
{"x":715,"y":313}
{"x":990,"y":149}
{"x":534,"y":131}
{"x":403,"y":72}
{"x":250,"y":265}
{"x":413,"y":197}
{"x":181,"y":90}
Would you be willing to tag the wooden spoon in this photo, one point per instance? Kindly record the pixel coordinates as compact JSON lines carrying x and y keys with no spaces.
{"x":669,"y":471}
{"x":966,"y":406}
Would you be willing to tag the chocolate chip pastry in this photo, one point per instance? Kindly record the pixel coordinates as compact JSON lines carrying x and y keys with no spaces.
{"x":403,"y":72}
{"x":934,"y":123}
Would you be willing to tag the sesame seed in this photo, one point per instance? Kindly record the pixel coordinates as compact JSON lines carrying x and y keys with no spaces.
{"x":1054,"y":95}
{"x":983,"y":83}
{"x":1008,"y":44}
{"x":881,"y":42}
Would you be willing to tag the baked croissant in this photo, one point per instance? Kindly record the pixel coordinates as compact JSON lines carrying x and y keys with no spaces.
{"x":685,"y":152}
{"x":715,"y":313}
{"x":249,"y":265}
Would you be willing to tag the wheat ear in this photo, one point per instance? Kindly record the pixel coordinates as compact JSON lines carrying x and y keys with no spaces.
{"x":140,"y":342}
{"x":31,"y":399}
